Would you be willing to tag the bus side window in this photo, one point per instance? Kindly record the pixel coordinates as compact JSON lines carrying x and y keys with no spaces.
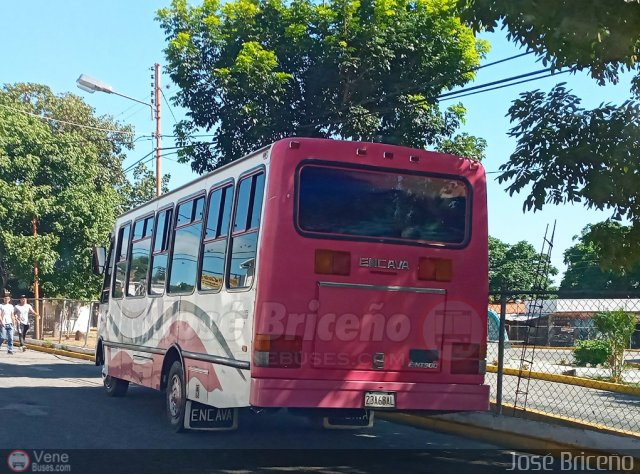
{"x":160,"y":253}
{"x":186,"y":245}
{"x":108,"y":271}
{"x":139,"y":260}
{"x":214,"y":247}
{"x":121,"y":261}
{"x":244,"y":240}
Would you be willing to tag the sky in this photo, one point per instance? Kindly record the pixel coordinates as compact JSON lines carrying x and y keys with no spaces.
{"x":119,"y":41}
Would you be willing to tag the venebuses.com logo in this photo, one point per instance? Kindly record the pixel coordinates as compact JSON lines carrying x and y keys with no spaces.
{"x":19,"y":460}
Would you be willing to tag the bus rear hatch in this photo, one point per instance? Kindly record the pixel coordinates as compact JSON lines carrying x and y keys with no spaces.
{"x":366,"y":327}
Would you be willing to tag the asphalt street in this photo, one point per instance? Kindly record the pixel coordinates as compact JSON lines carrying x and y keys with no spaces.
{"x":56,"y":405}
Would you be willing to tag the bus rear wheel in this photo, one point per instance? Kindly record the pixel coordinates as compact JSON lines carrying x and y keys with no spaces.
{"x":176,"y":397}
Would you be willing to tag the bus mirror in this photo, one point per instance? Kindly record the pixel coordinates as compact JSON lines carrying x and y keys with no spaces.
{"x":98,"y":261}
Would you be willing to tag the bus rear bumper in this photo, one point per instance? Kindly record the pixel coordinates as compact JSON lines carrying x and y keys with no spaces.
{"x":351,"y":394}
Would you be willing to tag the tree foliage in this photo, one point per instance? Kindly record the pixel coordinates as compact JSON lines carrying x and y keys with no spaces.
{"x":253,"y":71}
{"x":585,"y":270}
{"x":600,"y":36}
{"x":514,"y":267}
{"x":616,"y":328}
{"x":68,"y":178}
{"x":593,"y":352}
{"x":566,"y":153}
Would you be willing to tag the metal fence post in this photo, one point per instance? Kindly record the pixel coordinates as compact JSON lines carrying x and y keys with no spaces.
{"x":63,"y":315}
{"x":503,"y":316}
{"x":86,"y":333}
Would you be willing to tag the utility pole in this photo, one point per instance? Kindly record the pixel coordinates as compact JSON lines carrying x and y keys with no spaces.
{"x":91,"y":85}
{"x":157,"y":93}
{"x":36,"y":281}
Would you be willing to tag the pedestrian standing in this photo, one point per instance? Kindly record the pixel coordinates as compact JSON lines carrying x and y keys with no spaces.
{"x":8,"y":322}
{"x":23,"y":310}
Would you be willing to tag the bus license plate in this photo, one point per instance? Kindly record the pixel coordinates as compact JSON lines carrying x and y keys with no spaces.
{"x":380,"y":400}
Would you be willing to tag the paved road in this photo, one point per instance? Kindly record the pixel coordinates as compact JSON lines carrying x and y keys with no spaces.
{"x":611,"y":409}
{"x":57,"y":404}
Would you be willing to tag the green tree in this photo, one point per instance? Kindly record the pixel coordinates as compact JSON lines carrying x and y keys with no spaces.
{"x":616,"y":328}
{"x":253,"y":71}
{"x":514,"y":267}
{"x":68,"y":177}
{"x":566,"y":153}
{"x":584,"y":270}
{"x":598,"y":36}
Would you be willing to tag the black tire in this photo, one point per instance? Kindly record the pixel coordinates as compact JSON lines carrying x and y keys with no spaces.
{"x":176,"y":397}
{"x":115,"y":387}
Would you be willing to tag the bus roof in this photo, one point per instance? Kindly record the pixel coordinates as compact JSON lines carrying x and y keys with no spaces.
{"x":197,"y":180}
{"x":253,"y":154}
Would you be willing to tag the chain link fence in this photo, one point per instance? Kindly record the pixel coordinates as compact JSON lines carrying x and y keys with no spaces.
{"x":552,"y":359}
{"x":64,"y":321}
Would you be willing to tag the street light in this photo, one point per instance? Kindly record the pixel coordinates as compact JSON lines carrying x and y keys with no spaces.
{"x":91,"y":85}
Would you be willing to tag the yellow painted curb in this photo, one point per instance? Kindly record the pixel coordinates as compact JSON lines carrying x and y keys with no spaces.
{"x":571,"y":380}
{"x":62,"y":352}
{"x":547,"y":348}
{"x":539,"y":415}
{"x":493,"y":436}
{"x":538,"y":348}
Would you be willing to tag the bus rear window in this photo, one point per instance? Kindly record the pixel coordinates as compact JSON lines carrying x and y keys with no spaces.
{"x":383,"y":205}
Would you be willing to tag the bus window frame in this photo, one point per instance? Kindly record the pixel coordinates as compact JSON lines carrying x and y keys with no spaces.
{"x":227,"y":267}
{"x":229,"y":182}
{"x":130,"y":253}
{"x":108,"y":271}
{"x":386,"y":240}
{"x":191,"y":197}
{"x":169,"y":207}
{"x":118,"y":251}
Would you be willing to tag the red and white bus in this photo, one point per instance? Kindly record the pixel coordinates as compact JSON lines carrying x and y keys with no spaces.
{"x":334,"y":278}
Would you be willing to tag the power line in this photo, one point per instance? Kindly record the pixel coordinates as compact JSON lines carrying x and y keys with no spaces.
{"x":506,"y":85}
{"x":133,"y":165}
{"x":139,"y":109}
{"x":446,"y":95}
{"x":408,"y":90}
{"x":504,"y":60}
{"x":126,"y":110}
{"x":168,"y":106}
{"x":500,"y":81}
{"x":67,"y":123}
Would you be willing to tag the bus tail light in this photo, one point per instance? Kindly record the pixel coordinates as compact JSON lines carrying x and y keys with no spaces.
{"x":332,"y":262}
{"x":468,"y":358}
{"x":435,"y":269}
{"x":276,"y":351}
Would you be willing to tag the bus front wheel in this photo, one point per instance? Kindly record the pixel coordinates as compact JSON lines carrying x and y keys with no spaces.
{"x":176,"y":397}
{"x":114,"y":387}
